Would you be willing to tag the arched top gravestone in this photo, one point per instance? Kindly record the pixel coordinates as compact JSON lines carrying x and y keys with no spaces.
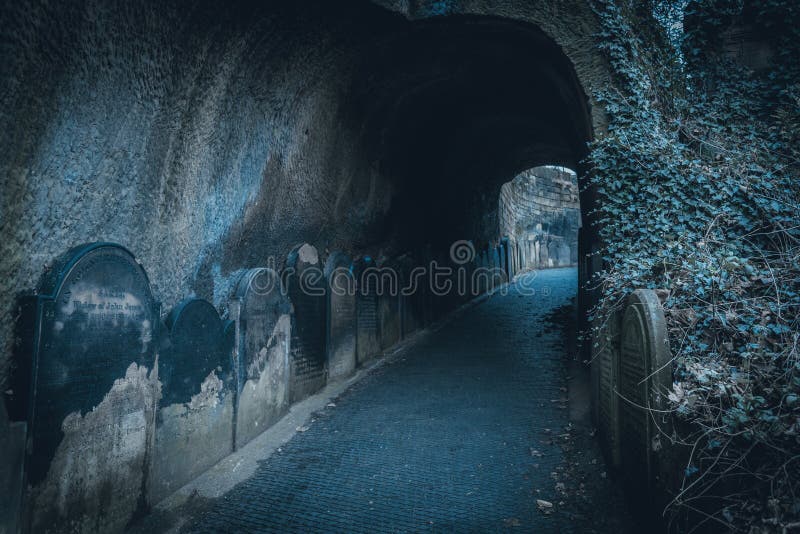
{"x":94,"y":345}
{"x":645,"y":376}
{"x":195,"y":351}
{"x":96,"y":316}
{"x":260,"y":329}
{"x":305,"y":284}
{"x":260,"y":291}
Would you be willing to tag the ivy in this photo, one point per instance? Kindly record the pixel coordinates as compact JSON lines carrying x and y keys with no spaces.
{"x":698,"y":186}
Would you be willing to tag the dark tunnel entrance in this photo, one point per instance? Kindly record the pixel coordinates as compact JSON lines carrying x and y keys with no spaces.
{"x":452,"y":108}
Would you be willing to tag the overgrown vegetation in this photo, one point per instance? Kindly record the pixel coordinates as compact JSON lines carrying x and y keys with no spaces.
{"x":698,"y":188}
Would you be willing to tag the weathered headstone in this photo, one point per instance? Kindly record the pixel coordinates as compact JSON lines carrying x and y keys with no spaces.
{"x":341,"y":335}
{"x":194,"y":424}
{"x":93,"y":392}
{"x":503,"y":249}
{"x":482,"y":278}
{"x":389,"y":304}
{"x":605,"y":365}
{"x":645,"y":376}
{"x":441,"y":286}
{"x":412,"y":297}
{"x":367,"y":340}
{"x":261,"y":331}
{"x":498,"y":272}
{"x":305,"y":284}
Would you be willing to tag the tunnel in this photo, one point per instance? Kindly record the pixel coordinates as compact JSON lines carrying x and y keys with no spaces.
{"x":196,"y":151}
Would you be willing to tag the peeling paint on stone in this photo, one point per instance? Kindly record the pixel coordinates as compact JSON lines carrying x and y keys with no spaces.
{"x":210,"y":390}
{"x":194,"y":426}
{"x":96,"y":479}
{"x":191,"y":437}
{"x":265,"y":396}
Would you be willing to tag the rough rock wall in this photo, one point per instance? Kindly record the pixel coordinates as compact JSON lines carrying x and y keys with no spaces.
{"x":205,"y":137}
{"x":539,"y":209}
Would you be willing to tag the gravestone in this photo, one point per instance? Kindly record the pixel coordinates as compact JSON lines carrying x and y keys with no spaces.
{"x":367,"y":340}
{"x":441,"y":287}
{"x":412,"y":297}
{"x":260,"y":331}
{"x":194,"y":423}
{"x":502,"y":249}
{"x":389,"y":304}
{"x":605,"y":365}
{"x":93,"y":392}
{"x":341,"y":313}
{"x":305,"y":283}
{"x":498,"y":272}
{"x":483,"y":274}
{"x":645,"y":377}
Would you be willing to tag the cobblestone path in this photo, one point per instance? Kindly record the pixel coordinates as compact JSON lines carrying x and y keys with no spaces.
{"x":462,"y":432}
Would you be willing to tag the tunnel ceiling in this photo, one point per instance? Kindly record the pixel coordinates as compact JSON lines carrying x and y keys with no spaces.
{"x":451,"y":108}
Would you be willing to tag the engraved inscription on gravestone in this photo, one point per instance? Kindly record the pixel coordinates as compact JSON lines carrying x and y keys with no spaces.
{"x":644,"y":375}
{"x":93,"y":348}
{"x":606,"y":364}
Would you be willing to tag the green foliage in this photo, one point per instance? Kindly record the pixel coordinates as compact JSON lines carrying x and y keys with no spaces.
{"x":698,"y":188}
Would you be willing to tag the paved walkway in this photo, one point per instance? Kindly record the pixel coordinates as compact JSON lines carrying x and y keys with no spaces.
{"x":462,"y":432}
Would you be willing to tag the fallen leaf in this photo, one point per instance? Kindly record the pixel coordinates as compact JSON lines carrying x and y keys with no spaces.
{"x":544,"y":506}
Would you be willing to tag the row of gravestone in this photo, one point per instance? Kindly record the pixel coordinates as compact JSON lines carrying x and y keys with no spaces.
{"x":123,"y":408}
{"x":632,"y":378}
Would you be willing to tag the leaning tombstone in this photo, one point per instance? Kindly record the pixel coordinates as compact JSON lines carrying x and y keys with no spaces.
{"x":260,"y":331}
{"x":93,"y":392}
{"x":367,"y":339}
{"x":341,"y":314}
{"x":194,"y":423}
{"x":305,"y":284}
{"x":644,"y":379}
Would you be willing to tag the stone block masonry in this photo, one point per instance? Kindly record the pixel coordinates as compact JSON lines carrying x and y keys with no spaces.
{"x":539,"y":211}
